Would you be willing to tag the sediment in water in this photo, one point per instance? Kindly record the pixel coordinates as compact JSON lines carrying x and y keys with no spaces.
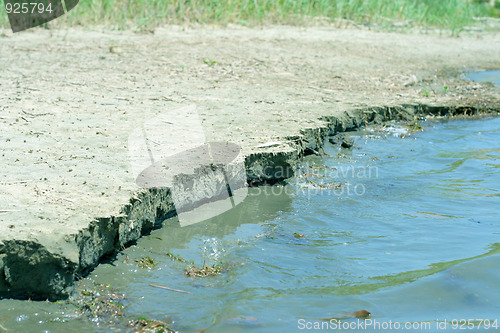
{"x":29,"y":268}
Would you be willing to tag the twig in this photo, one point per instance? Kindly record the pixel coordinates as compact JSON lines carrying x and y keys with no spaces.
{"x":167,"y":288}
{"x":36,"y":114}
{"x":324,"y":89}
{"x":18,"y":182}
{"x":8,"y":210}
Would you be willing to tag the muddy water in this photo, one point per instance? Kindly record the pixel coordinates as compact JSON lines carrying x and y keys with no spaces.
{"x":404,"y":225}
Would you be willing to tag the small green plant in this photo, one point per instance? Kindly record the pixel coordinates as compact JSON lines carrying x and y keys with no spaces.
{"x":146,"y":262}
{"x":445,"y":89}
{"x":425,"y":93}
{"x":177,"y":257}
{"x":209,"y":62}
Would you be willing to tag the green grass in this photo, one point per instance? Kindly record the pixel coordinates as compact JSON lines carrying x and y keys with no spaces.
{"x":450,"y":14}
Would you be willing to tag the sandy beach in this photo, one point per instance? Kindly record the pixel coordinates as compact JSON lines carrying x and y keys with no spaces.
{"x":71,"y":99}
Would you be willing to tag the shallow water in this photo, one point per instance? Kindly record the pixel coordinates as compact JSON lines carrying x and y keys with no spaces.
{"x":492,"y":76}
{"x":411,"y":235}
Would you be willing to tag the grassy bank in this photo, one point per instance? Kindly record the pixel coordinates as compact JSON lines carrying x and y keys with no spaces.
{"x":450,"y":14}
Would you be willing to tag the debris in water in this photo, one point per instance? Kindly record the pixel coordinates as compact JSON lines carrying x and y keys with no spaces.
{"x":193,"y":271}
{"x":167,"y":288}
{"x":143,"y":325}
{"x":414,"y":127}
{"x":361,"y":314}
{"x":100,"y":302}
{"x":177,"y":257}
{"x":146,"y":262}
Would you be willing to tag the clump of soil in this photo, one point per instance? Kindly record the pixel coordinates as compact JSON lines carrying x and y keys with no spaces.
{"x":345,"y":141}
